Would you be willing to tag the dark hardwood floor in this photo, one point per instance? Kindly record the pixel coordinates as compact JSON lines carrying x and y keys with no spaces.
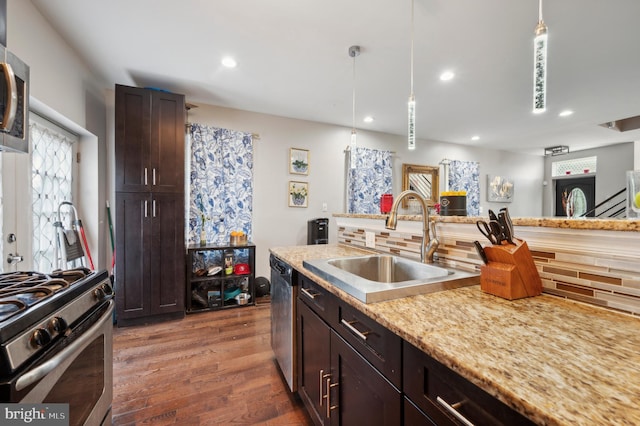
{"x":207,"y":369}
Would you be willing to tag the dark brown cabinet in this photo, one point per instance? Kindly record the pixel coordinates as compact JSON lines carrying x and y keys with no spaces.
{"x":314,"y":361}
{"x":150,"y":128}
{"x":361,"y":395}
{"x":150,"y":262}
{"x":352,"y":371}
{"x":447,"y":398}
{"x":376,"y":344}
{"x":149,"y":217}
{"x":336,"y":383}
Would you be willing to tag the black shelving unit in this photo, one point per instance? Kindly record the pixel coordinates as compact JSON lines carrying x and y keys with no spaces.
{"x":214,"y":292}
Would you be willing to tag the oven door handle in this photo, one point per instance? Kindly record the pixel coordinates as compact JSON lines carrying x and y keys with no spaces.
{"x":41,"y":371}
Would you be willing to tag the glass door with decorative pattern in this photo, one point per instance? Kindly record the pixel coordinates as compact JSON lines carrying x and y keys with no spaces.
{"x":33,"y":186}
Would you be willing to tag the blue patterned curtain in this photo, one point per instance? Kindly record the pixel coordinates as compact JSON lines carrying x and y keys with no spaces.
{"x":221,"y":187}
{"x":465,"y":176}
{"x":368,"y":180}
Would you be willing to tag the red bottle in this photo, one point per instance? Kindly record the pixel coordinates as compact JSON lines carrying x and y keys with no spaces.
{"x":386,"y":201}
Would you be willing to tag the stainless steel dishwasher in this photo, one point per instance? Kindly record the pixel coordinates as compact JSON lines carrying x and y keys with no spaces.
{"x":284,"y":291}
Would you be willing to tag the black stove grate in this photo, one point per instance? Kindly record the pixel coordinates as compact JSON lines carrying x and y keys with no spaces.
{"x":20,"y":290}
{"x":22,"y":295}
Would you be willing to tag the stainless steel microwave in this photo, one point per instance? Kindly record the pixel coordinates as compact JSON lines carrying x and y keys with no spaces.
{"x":14,"y":103}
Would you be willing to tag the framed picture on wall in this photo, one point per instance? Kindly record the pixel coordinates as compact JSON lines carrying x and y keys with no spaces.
{"x":299,"y":161}
{"x":499,"y":189}
{"x":298,"y":194}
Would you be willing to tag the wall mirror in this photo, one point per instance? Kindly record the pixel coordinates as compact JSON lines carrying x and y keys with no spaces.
{"x":423,"y":180}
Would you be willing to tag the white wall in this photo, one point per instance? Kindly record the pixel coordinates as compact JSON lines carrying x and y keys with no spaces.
{"x":62,"y":87}
{"x":276,"y":224}
{"x":613,"y":161}
{"x":61,"y":82}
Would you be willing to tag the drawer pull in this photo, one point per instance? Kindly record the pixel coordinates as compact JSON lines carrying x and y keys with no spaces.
{"x":349,"y":325}
{"x":308,"y":293}
{"x":453,"y":411}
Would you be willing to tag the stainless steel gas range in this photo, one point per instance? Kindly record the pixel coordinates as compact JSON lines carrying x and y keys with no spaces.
{"x":56,"y":342}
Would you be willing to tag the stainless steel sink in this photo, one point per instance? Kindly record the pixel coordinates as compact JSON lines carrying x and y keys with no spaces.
{"x":379,"y":277}
{"x":388,"y":269}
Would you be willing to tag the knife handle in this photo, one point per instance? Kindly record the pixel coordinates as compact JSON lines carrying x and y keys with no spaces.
{"x":506,"y":231}
{"x":508,"y":222}
{"x":481,"y":252}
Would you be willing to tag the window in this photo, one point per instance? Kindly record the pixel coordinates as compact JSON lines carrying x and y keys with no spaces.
{"x":575,"y":166}
{"x":52,"y":153}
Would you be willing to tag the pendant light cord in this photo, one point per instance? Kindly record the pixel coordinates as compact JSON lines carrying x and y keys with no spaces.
{"x":540,"y":11}
{"x":353,"y":112}
{"x":412,"y":3}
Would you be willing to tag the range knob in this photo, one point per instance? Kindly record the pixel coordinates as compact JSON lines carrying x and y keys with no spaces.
{"x":58,"y":325}
{"x":103,"y":292}
{"x":107,"y":289}
{"x":40,"y":337}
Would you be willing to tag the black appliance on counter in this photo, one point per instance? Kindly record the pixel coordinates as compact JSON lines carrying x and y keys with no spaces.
{"x":56,"y":341}
{"x":318,"y":231}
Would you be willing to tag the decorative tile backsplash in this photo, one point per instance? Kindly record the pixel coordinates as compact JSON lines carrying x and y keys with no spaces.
{"x":581,"y":267}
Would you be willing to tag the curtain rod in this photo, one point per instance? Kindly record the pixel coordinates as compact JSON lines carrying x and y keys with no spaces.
{"x":254,"y":136}
{"x":348,"y":149}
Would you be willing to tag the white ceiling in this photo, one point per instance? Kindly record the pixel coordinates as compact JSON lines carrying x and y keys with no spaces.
{"x":293,"y":61}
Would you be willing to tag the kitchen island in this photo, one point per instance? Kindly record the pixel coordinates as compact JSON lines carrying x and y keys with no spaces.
{"x":555,"y":361}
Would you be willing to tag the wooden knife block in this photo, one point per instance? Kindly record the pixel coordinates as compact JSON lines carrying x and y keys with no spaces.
{"x":511,"y":272}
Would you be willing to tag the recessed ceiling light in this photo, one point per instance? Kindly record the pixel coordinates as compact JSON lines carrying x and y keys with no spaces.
{"x":447,"y":75}
{"x":565,"y":113}
{"x":475,"y":137}
{"x":229,"y":62}
{"x":368,"y":119}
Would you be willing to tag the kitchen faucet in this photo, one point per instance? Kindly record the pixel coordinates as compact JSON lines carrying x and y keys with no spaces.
{"x":429,"y":245}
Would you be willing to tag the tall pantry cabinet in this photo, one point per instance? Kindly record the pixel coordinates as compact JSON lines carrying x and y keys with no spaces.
{"x":149,"y":170}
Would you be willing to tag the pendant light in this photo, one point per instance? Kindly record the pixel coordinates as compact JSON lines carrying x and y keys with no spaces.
{"x":540,"y":64}
{"x":353,"y":52}
{"x":412,"y":100}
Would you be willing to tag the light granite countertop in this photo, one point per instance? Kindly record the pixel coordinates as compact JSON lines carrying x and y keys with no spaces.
{"x":555,"y":361}
{"x":544,"y":222}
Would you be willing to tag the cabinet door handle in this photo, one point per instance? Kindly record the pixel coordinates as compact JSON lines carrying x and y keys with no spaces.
{"x":153,"y":208}
{"x":350,"y":327}
{"x":453,"y":411}
{"x":328,"y":396}
{"x":322,"y":377}
{"x":145,"y":208}
{"x":308,"y":293}
{"x":153,"y":176}
{"x":145,"y":176}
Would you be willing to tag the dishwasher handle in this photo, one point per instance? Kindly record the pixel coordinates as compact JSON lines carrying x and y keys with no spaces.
{"x":281,"y":268}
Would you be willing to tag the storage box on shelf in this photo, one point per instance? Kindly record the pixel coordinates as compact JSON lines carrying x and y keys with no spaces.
{"x":220,"y":276}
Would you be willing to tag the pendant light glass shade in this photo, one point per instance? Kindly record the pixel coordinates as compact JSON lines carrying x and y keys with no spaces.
{"x":412,"y":122}
{"x":352,"y":149}
{"x":411,"y":105}
{"x":540,"y":65}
